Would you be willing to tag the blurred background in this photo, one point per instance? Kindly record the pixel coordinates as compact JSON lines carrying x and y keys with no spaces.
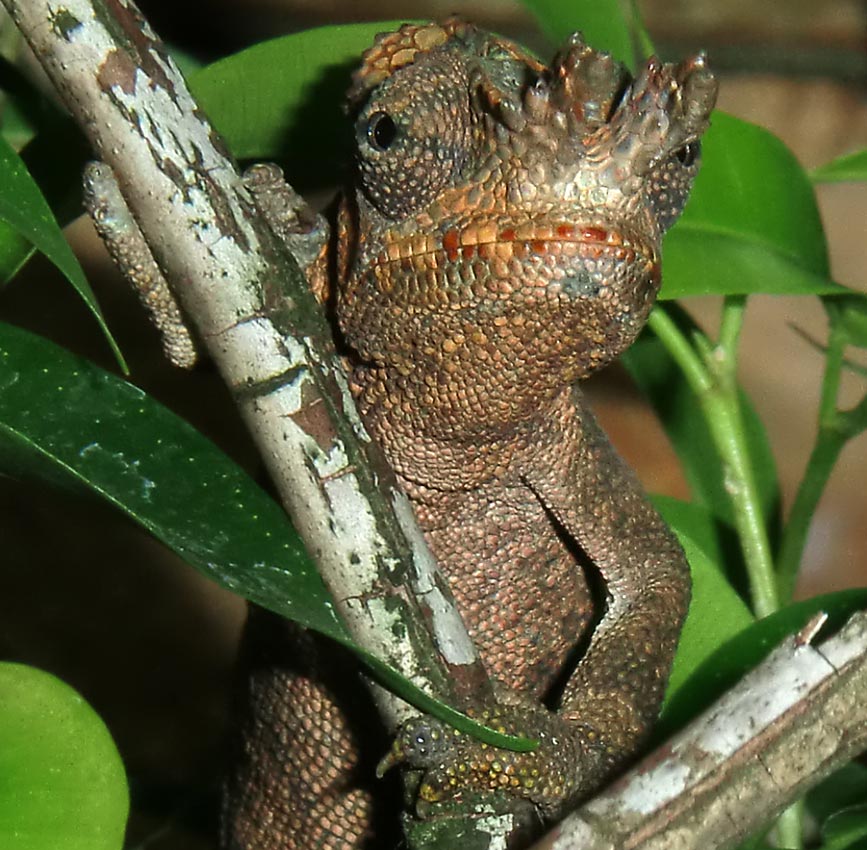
{"x":88,"y":596}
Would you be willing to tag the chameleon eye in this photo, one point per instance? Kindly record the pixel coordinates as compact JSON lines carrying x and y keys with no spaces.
{"x":381,"y":131}
{"x":688,"y":154}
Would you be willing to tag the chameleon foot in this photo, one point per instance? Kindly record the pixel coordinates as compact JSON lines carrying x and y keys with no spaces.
{"x":567,"y":761}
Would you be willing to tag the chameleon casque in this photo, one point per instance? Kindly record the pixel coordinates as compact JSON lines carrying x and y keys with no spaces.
{"x":501,"y":242}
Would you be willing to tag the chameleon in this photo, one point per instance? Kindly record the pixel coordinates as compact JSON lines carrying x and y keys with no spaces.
{"x":501,"y":241}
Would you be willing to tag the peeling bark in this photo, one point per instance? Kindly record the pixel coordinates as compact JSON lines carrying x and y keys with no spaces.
{"x":795,"y":718}
{"x":228,"y":270}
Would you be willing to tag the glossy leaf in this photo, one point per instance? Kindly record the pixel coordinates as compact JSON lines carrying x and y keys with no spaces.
{"x":846,"y":829}
{"x":601,"y":22}
{"x":697,"y":261}
{"x":15,"y":251}
{"x":63,"y":417}
{"x":662,"y":381}
{"x":737,"y":656}
{"x":852,"y":166}
{"x":751,"y":224}
{"x":65,"y":420}
{"x":25,"y":213}
{"x":283,"y":99}
{"x":62,"y":782}
{"x":843,"y":789}
{"x":717,"y":613}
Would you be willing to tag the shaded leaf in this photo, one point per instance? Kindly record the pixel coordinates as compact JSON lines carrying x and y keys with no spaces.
{"x":282,"y":99}
{"x":62,"y":782}
{"x":751,"y":224}
{"x":852,"y":166}
{"x":15,"y":251}
{"x":844,"y":788}
{"x":845,"y":829}
{"x":724,"y":667}
{"x":602,"y":23}
{"x":24,"y":210}
{"x":65,"y":420}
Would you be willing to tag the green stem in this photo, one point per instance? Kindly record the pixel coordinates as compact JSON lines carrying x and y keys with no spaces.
{"x":826,"y":450}
{"x":711,"y":372}
{"x":681,"y":350}
{"x":835,"y":429}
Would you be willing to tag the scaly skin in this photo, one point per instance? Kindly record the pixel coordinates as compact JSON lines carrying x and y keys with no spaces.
{"x":502,"y":242}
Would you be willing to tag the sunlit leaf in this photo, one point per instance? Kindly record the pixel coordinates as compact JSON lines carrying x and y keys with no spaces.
{"x":717,"y":613}
{"x":25,"y":215}
{"x":751,"y":224}
{"x":853,"y":166}
{"x":62,"y":783}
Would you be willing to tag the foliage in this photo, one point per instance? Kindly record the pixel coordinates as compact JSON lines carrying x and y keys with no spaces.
{"x":62,"y":783}
{"x":751,"y":227}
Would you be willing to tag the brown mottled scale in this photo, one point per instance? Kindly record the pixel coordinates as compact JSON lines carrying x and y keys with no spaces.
{"x":502,"y":242}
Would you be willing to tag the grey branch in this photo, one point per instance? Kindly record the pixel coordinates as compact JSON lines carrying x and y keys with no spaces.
{"x":789,"y":723}
{"x":251,"y":308}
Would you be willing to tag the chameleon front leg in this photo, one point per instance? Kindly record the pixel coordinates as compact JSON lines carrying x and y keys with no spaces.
{"x":614,"y":693}
{"x":617,"y":688}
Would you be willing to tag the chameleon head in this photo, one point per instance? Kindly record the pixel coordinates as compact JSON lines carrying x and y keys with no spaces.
{"x":508,"y":215}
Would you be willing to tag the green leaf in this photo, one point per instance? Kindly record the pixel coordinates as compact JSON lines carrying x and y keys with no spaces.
{"x":844,"y":788}
{"x":65,"y":420}
{"x":25,"y":211}
{"x":751,"y":224}
{"x":697,"y":261}
{"x":62,"y":782}
{"x":662,"y":382}
{"x":63,"y":417}
{"x":731,"y":660}
{"x":15,"y":250}
{"x":283,"y":99}
{"x":695,"y":521}
{"x":852,"y":166}
{"x":716,"y":613}
{"x":14,"y":127}
{"x":601,"y":21}
{"x":845,"y":829}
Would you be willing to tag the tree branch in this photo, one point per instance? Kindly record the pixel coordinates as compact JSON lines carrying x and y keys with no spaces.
{"x":795,"y":718}
{"x":250,"y":305}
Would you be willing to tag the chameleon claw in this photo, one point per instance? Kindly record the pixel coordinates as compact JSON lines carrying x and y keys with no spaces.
{"x":420,"y":744}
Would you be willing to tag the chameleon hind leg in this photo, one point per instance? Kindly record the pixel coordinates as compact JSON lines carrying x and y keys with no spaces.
{"x":306,"y":741}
